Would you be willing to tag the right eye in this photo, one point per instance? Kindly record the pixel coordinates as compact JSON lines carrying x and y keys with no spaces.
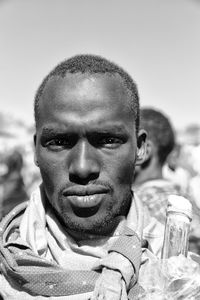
{"x":58,"y":144}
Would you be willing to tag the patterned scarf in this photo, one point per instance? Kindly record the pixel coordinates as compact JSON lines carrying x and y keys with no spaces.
{"x":36,"y":252}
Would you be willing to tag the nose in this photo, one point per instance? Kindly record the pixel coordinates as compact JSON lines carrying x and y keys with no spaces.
{"x":84,"y":165}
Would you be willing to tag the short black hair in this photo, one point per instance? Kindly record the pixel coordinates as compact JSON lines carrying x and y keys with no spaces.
{"x":159,"y":130}
{"x":91,"y":64}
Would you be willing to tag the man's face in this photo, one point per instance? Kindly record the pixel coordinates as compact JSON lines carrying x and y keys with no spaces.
{"x":86,"y":149}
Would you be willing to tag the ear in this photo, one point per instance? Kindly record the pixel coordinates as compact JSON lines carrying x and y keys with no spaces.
{"x":35,"y":156}
{"x":141,"y":147}
{"x":149,"y":149}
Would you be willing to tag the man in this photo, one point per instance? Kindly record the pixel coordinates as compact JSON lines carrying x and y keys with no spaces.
{"x":79,"y":237}
{"x":150,"y":185}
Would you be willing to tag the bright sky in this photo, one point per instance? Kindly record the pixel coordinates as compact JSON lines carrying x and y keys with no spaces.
{"x":156,"y":41}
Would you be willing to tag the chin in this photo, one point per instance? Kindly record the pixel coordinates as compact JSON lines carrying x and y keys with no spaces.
{"x":101,"y":219}
{"x":96,"y":224}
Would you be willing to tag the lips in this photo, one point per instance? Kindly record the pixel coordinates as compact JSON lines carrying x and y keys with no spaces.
{"x":85,"y":197}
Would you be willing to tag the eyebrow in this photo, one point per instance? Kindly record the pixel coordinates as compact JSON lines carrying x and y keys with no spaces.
{"x":114,"y":128}
{"x":48,"y":133}
{"x":110,"y":128}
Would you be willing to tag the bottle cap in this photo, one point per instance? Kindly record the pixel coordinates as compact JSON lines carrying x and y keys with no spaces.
{"x":179,"y":204}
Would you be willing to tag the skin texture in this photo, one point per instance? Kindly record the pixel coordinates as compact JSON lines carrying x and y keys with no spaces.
{"x":86,"y":143}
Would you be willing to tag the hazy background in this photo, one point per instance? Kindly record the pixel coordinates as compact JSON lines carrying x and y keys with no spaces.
{"x":156,"y":41}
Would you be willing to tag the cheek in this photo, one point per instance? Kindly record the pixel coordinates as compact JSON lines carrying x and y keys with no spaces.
{"x":50,"y":170}
{"x":121,"y":170}
{"x":48,"y":163}
{"x":126,"y":172}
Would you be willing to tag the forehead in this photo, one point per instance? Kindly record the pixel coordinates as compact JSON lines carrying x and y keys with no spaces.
{"x":84,"y":94}
{"x":87,"y":85}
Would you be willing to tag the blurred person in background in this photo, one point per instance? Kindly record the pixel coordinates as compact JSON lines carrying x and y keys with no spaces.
{"x":149,"y":184}
{"x":183,"y":168}
{"x":194,"y":182}
{"x":176,"y":168}
{"x":192,"y":166}
{"x":3,"y":171}
{"x":12,"y":183}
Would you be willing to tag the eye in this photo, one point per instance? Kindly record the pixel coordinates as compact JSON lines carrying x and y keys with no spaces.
{"x":110,"y":142}
{"x":58,"y":144}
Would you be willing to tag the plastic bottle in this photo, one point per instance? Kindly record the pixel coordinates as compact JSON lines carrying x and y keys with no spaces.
{"x":177,"y":227}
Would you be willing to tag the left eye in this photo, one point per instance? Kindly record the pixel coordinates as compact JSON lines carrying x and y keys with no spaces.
{"x":109,"y":142}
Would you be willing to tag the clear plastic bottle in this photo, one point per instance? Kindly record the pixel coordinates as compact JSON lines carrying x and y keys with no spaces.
{"x":177,"y":227}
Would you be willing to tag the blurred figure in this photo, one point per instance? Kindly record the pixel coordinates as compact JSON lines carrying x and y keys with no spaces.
{"x":183,"y":168}
{"x":13,"y":189}
{"x":149,"y":183}
{"x":194,"y":194}
{"x":178,"y":167}
{"x":194,"y":183}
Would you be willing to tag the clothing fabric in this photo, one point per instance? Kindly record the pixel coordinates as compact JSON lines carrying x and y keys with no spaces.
{"x":179,"y":177}
{"x":39,"y":259}
{"x":154,"y":195}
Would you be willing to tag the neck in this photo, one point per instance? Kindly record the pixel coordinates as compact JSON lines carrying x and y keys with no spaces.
{"x":152,"y":172}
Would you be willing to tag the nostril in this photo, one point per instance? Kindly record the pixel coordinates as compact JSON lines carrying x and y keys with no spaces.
{"x":76,"y":178}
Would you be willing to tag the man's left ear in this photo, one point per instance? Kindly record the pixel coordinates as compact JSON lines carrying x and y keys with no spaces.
{"x":141,"y":147}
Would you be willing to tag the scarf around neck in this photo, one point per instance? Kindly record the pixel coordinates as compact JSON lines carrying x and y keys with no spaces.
{"x":38,"y":255}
